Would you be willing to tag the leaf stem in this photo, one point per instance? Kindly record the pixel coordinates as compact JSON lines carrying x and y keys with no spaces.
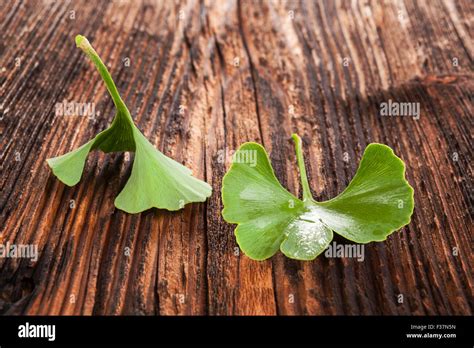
{"x":84,"y":44}
{"x":307,"y":197}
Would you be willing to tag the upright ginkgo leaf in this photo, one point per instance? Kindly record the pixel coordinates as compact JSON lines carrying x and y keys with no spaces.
{"x":156,"y":180}
{"x":377,"y":202}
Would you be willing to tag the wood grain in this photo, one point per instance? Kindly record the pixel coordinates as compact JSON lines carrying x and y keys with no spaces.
{"x":204,"y":77}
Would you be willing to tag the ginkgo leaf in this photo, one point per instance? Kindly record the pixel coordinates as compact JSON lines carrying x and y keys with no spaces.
{"x":156,"y":180}
{"x":267,"y":214}
{"x":377,"y":202}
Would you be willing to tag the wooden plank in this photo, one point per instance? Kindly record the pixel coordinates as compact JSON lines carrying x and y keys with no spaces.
{"x":200,"y":78}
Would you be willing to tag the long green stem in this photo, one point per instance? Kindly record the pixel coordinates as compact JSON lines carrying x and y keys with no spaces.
{"x":307,"y":197}
{"x":84,"y":44}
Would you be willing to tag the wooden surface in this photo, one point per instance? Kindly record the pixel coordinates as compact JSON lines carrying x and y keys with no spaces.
{"x":203,"y":78}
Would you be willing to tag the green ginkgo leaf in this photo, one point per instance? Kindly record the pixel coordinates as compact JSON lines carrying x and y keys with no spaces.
{"x":156,"y":180}
{"x":377,"y":202}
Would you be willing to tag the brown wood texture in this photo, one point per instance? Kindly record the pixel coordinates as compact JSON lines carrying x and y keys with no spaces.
{"x":204,"y":77}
